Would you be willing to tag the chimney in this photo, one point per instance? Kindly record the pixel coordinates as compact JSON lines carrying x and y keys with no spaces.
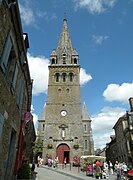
{"x":131,"y":103}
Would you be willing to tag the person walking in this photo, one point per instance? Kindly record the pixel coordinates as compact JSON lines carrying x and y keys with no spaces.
{"x":125,"y":170}
{"x":65,"y":161}
{"x":32,"y":168}
{"x":118,"y":170}
{"x":110,"y":167}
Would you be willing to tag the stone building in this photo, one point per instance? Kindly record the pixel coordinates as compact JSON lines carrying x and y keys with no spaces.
{"x":15,"y":89}
{"x":64,"y":127}
{"x":121,"y":146}
{"x":111,"y":150}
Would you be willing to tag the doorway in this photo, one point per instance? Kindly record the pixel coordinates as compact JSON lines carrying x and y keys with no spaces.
{"x":63,"y":151}
{"x":66,"y":155}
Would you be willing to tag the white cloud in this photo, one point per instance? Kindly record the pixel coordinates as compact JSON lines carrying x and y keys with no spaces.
{"x":94,"y":6}
{"x":84,"y":77}
{"x":35,"y":120}
{"x":102,"y":124}
{"x":27,"y":14}
{"x":35,"y":117}
{"x":120,"y":93}
{"x":39,"y":73}
{"x":30,"y":15}
{"x":99,"y":39}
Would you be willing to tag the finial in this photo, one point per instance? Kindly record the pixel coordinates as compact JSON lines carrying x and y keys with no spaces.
{"x":65,"y":16}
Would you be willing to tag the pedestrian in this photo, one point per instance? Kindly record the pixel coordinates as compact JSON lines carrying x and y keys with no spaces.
{"x":49,"y":162}
{"x":124,"y":168}
{"x":41,"y":161}
{"x":38,"y":161}
{"x":118,"y":170}
{"x":65,"y":161}
{"x":106,"y":169}
{"x":32,"y":168}
{"x":110,"y":167}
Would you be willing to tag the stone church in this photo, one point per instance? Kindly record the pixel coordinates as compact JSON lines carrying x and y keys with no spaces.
{"x":64,"y":126}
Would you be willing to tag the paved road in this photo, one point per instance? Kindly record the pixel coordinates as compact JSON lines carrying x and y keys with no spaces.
{"x":61,"y":173}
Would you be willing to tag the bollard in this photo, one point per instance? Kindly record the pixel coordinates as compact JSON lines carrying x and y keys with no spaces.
{"x":78,"y":167}
{"x":70,"y":166}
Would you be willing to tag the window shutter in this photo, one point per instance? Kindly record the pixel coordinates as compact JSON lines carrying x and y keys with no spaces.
{"x":1,"y":123}
{"x":15,"y":76}
{"x":6,"y":53}
{"x":20,"y":94}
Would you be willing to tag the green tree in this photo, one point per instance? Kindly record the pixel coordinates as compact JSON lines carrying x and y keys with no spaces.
{"x":38,"y":147}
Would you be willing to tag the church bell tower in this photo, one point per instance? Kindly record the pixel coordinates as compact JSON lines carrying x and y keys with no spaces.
{"x":60,"y":125}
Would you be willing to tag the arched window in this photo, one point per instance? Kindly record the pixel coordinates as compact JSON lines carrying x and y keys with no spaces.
{"x":64,"y":77}
{"x":75,"y":61}
{"x":43,"y":127}
{"x":57,"y":77}
{"x":67,"y":90}
{"x":85,"y":144}
{"x":64,"y":58}
{"x":85,"y":127}
{"x":53,"y":61}
{"x":59,"y":90}
{"x":71,"y":76}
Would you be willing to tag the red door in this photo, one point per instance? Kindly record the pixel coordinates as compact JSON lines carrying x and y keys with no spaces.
{"x":62,"y":152}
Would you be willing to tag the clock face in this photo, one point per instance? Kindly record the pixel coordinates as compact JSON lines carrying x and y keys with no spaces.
{"x":63,"y":113}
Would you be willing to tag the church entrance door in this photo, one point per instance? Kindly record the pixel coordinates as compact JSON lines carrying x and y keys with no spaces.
{"x":63,"y":151}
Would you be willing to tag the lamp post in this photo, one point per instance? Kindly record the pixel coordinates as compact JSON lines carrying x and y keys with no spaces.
{"x":129,"y":116}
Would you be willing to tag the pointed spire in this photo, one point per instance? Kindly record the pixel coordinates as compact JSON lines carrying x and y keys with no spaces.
{"x":42,"y":117}
{"x":85,"y":115}
{"x":64,"y":40}
{"x":64,"y":49}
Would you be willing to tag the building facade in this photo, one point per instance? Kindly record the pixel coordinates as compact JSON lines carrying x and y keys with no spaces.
{"x":64,"y":127}
{"x":15,"y":89}
{"x":121,"y":146}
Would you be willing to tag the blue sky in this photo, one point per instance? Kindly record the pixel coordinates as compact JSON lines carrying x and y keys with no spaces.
{"x":102,"y":33}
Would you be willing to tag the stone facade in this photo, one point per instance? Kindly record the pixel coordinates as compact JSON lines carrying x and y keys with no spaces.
{"x":63,"y":127}
{"x":15,"y":87}
{"x":121,"y":146}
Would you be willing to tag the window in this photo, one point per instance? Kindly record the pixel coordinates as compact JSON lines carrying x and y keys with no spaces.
{"x":85,"y":127}
{"x":57,"y":76}
{"x":43,"y":127}
{"x":75,"y":61}
{"x":85,"y":144}
{"x":59,"y":90}
{"x":67,"y":90}
{"x":1,"y":123}
{"x":6,"y":53}
{"x":15,"y":76}
{"x":71,"y":76}
{"x":20,"y":93}
{"x":64,"y":58}
{"x":64,"y":77}
{"x":53,"y":61}
{"x":10,"y":67}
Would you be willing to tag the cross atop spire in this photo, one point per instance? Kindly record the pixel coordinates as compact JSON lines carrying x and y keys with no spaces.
{"x":65,"y":16}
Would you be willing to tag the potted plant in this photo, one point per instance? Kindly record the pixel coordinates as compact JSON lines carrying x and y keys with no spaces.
{"x":49,"y":146}
{"x":75,"y":146}
{"x":24,"y":171}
